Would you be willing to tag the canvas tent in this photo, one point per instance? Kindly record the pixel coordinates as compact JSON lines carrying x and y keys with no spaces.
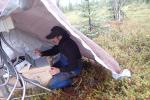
{"x":37,"y":17}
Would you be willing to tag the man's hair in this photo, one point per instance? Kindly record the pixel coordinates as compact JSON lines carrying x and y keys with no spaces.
{"x":57,"y":31}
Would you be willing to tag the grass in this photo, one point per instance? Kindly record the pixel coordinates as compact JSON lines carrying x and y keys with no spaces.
{"x":129,"y":43}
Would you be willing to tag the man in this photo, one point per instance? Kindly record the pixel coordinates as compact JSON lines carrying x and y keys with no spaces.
{"x":69,"y":65}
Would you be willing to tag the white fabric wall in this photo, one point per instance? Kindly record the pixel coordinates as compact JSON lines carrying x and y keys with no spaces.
{"x":22,"y":42}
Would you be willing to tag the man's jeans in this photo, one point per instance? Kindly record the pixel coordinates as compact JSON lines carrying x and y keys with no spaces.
{"x":63,"y":79}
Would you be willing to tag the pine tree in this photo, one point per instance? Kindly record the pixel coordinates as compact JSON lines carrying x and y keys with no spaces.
{"x":88,"y":11}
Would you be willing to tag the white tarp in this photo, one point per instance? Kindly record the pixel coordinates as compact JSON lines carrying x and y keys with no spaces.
{"x":22,"y":42}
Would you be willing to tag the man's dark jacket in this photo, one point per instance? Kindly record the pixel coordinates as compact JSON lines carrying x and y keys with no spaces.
{"x":69,"y":49}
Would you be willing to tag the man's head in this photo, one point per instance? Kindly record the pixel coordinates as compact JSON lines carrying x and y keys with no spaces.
{"x":56,"y":34}
{"x":56,"y":40}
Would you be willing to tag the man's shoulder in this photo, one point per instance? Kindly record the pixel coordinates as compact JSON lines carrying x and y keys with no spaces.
{"x":69,"y":41}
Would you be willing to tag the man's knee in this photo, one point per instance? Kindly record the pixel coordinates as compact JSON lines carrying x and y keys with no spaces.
{"x":52,"y":83}
{"x":59,"y":84}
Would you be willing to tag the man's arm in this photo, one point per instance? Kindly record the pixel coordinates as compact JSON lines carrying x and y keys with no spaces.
{"x":51,"y":52}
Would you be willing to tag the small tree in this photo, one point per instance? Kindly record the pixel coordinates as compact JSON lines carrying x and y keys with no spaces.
{"x":88,"y":11}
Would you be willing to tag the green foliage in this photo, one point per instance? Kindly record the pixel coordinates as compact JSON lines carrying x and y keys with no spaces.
{"x":84,"y":8}
{"x":129,"y":43}
{"x":139,"y":1}
{"x":88,"y":10}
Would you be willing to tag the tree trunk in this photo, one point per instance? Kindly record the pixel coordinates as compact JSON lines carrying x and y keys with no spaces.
{"x":57,"y":2}
{"x":89,"y":11}
{"x":118,"y":13}
{"x":70,"y":6}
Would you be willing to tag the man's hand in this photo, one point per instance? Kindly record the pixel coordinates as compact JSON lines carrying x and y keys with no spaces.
{"x":37,"y":52}
{"x":54,"y":70}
